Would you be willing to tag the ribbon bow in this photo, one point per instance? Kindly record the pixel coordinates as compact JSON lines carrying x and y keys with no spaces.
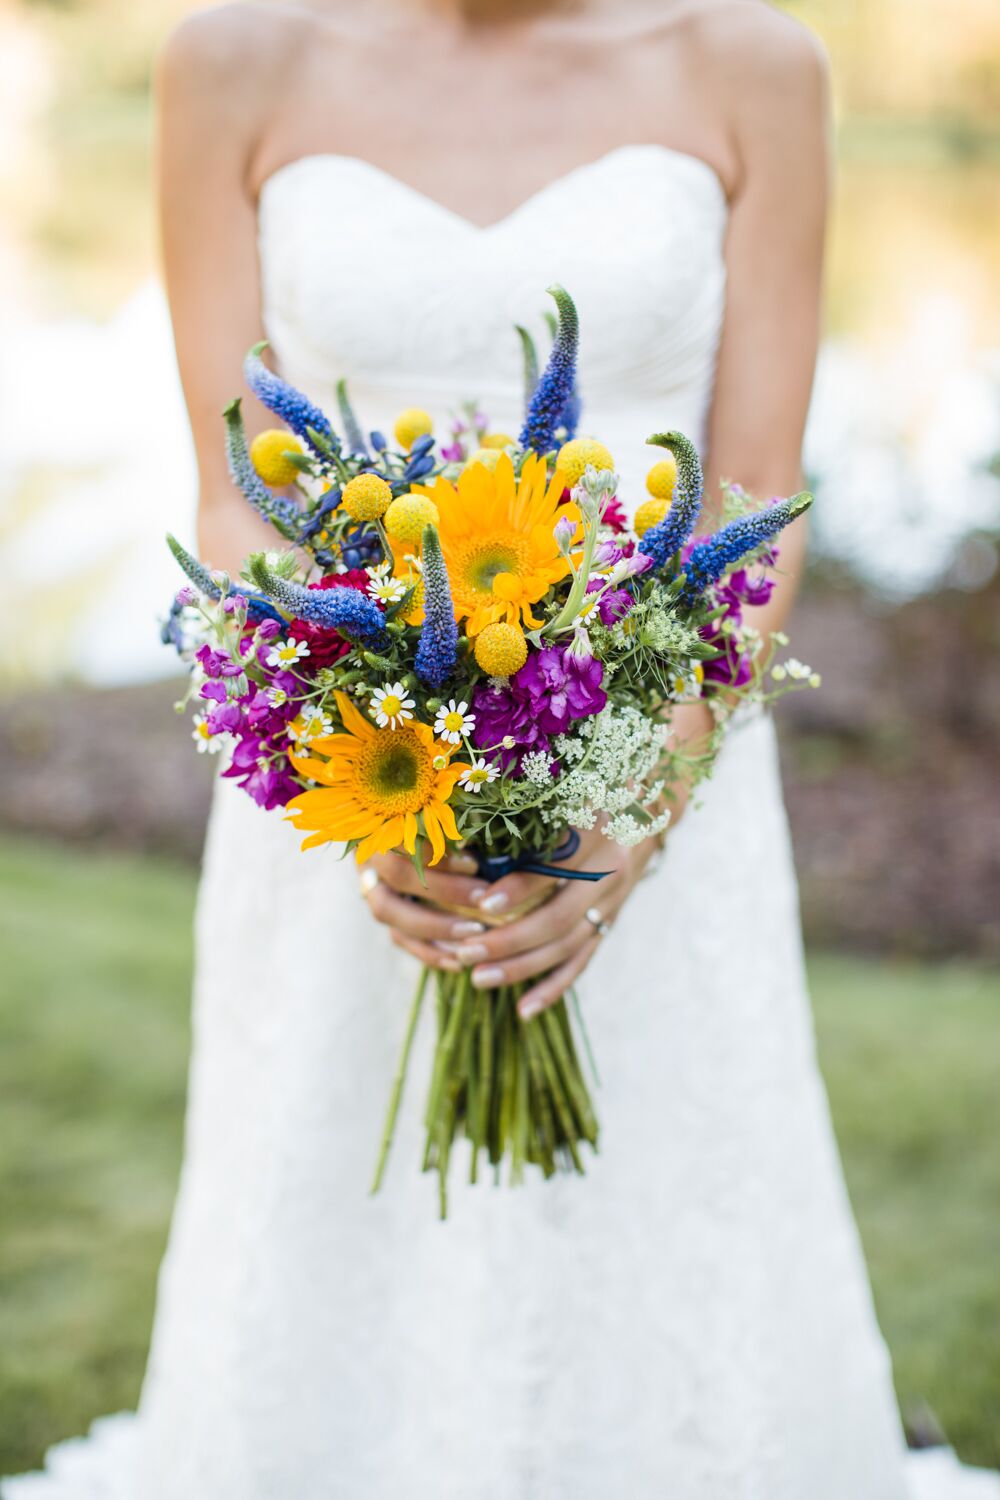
{"x":495,"y":866}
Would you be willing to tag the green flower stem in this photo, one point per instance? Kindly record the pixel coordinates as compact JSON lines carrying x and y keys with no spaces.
{"x":383,"y":537}
{"x":396,"y":1095}
{"x":571,"y":1075}
{"x":542,"y":1114}
{"x":567,"y":615}
{"x":559,"y":1100}
{"x":519,"y":1145}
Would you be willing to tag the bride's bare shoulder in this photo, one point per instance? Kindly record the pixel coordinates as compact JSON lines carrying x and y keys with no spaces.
{"x":231,"y":57}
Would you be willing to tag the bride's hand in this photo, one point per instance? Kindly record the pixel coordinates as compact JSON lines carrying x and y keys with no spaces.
{"x":556,"y":939}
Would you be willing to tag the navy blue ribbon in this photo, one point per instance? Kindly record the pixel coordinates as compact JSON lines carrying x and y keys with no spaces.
{"x":495,"y":866}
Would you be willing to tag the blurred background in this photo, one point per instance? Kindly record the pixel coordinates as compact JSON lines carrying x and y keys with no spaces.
{"x":893,"y":773}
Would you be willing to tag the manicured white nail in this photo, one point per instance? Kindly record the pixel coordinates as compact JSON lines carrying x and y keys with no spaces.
{"x":467,"y":929}
{"x":531,"y":1008}
{"x":472,"y":953}
{"x":486,"y":979}
{"x":496,"y":901}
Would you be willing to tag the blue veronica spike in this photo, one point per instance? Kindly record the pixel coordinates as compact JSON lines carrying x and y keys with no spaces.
{"x":378,"y":441}
{"x":352,"y":431}
{"x":662,"y":541}
{"x":345,"y":609}
{"x":423,"y":445}
{"x":710,"y":559}
{"x":569,"y":417}
{"x":171,"y":629}
{"x":195,"y":570}
{"x":553,"y":389}
{"x":282,"y":512}
{"x":437,"y":650}
{"x":294,"y":409}
{"x":259,"y":608}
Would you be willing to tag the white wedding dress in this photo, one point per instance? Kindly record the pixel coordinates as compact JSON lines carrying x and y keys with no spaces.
{"x":692,"y":1320}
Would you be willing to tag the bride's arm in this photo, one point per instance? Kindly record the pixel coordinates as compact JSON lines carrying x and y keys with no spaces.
{"x":212,"y":89}
{"x":770,"y":76}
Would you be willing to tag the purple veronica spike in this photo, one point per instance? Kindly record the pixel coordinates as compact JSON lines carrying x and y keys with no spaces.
{"x":662,"y":541}
{"x":710,"y":559}
{"x":556,"y":385}
{"x":294,"y":409}
{"x":344,"y":609}
{"x":282,"y":512}
{"x":438,"y":646}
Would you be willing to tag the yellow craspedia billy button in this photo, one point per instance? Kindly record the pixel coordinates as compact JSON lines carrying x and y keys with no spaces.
{"x":501,"y":649}
{"x":406,"y":517}
{"x":267,"y":454}
{"x":366,"y":497}
{"x":412,"y":423}
{"x":575,"y":455}
{"x":661,"y":478}
{"x":497,"y":440}
{"x":488,"y":457}
{"x":649,"y":514}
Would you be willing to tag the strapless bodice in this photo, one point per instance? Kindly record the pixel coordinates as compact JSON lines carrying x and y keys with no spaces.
{"x":367,"y":278}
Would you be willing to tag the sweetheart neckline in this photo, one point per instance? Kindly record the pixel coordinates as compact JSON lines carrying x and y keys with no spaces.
{"x":337,"y":157}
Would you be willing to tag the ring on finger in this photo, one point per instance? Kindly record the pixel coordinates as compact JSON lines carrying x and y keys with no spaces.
{"x":596,"y":919}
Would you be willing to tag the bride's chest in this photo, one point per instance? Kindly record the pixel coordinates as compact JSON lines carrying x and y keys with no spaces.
{"x":370,"y":275}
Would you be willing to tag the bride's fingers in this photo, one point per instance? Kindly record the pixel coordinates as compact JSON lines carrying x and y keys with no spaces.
{"x":521,"y":966}
{"x":413,"y":918}
{"x":552,"y":988}
{"x":546,"y":923}
{"x":441,"y":889}
{"x":434,"y":958}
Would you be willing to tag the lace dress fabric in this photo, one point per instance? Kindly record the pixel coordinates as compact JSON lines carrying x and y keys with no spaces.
{"x":692,"y":1320}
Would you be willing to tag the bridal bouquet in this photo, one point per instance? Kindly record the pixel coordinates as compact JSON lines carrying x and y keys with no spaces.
{"x":472,"y":644}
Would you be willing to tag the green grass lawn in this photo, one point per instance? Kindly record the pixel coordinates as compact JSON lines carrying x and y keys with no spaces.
{"x":93,"y":1042}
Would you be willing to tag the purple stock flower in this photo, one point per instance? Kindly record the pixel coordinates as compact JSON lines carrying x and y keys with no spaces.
{"x":553,"y":688}
{"x":216,"y":663}
{"x":613,"y":604}
{"x":265,"y":779}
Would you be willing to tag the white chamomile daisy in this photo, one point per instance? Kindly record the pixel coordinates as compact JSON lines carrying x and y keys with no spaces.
{"x":207,"y":742}
{"x":453,"y":721}
{"x":287,"y":653}
{"x":276,"y":697}
{"x":390,"y":707}
{"x":311,"y":724}
{"x":477,"y":775}
{"x":386,"y":590}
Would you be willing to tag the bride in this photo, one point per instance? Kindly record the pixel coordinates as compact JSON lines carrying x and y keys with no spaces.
{"x":384,"y":189}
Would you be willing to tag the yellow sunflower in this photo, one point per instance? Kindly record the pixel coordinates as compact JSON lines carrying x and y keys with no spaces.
{"x":496,"y":536}
{"x":376,"y":785}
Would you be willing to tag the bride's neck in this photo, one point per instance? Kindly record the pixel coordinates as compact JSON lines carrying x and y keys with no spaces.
{"x":489,"y":12}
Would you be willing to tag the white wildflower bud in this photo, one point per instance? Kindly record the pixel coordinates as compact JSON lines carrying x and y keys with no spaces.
{"x":814,"y":680}
{"x":779,"y":637}
{"x":221,"y":579}
{"x":580,"y":646}
{"x":778,"y":673}
{"x":564,"y":532}
{"x":508,"y":742}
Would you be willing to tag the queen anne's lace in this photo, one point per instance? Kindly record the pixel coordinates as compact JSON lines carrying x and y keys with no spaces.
{"x":692,"y":1319}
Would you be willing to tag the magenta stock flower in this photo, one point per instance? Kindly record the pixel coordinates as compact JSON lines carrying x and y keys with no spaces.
{"x":553,"y":688}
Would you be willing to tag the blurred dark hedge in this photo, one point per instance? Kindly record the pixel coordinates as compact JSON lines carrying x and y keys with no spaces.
{"x":892,"y":771}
